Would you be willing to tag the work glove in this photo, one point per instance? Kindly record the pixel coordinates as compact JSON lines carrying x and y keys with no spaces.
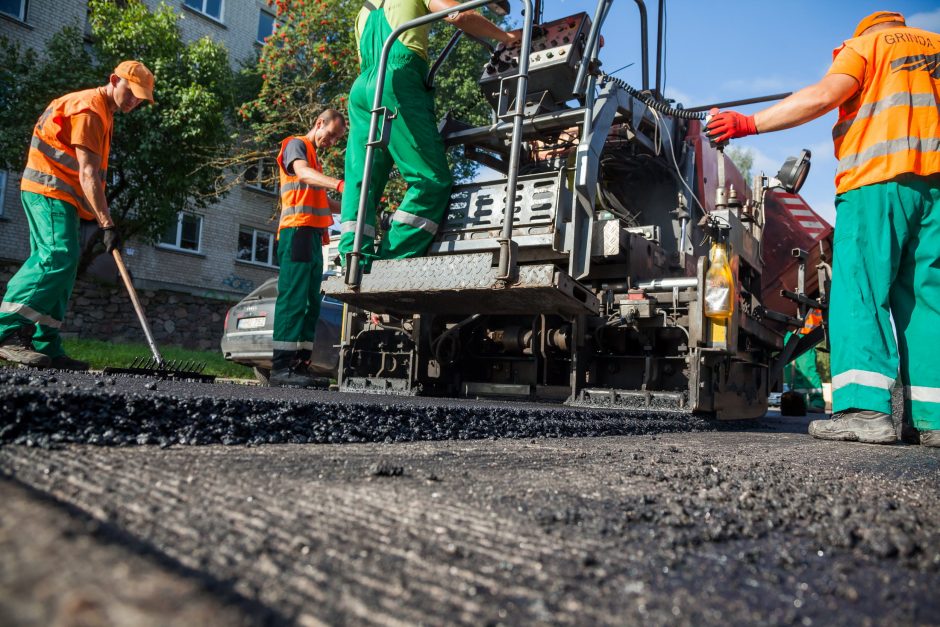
{"x":111,"y":239}
{"x":729,"y":125}
{"x":341,"y":186}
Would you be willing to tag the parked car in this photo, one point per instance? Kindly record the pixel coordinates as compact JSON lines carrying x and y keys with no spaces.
{"x":248,"y":332}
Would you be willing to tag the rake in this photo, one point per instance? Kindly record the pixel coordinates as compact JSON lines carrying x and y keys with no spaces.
{"x":155,"y":366}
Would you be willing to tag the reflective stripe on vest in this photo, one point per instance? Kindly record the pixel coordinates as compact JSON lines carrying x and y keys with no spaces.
{"x":884,"y":149}
{"x":302,"y":204}
{"x":52,"y":164}
{"x":30,"y":314}
{"x":350,"y":227}
{"x":418,"y":222}
{"x":892,"y":126}
{"x":51,"y":181}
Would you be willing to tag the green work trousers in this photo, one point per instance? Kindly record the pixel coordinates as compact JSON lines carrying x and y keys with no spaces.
{"x":297,"y":308}
{"x":38,"y":294}
{"x":415,"y":147}
{"x":887,"y":265}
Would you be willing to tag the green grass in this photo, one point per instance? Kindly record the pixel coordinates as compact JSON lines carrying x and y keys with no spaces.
{"x":102,"y":354}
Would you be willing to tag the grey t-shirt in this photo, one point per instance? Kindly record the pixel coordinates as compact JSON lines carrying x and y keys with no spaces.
{"x":296,"y":149}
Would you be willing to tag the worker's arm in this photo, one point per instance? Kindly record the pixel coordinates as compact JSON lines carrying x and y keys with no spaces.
{"x":807,"y":104}
{"x":473,"y":23}
{"x":89,"y":169}
{"x":803,"y":106}
{"x":310,"y":176}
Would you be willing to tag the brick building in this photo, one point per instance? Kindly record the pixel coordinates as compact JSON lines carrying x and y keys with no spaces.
{"x":222,"y":252}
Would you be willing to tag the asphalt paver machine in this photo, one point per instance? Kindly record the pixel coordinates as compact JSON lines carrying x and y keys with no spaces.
{"x":582,"y":273}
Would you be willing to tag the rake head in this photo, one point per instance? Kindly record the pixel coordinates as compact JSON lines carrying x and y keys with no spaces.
{"x":173,"y":369}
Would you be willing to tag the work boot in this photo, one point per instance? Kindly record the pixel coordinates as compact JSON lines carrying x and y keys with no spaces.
{"x":64,"y":362}
{"x":291,"y":376}
{"x":18,"y":348}
{"x":930,"y":438}
{"x":856,"y":425}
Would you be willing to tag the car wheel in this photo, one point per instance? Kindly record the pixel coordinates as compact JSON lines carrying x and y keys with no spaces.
{"x":263,"y":375}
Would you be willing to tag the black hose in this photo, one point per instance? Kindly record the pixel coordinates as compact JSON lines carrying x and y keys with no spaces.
{"x":661,"y":107}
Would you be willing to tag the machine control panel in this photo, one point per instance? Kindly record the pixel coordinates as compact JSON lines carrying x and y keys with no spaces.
{"x":557,"y":49}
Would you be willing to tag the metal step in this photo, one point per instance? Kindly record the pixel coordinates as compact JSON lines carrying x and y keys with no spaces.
{"x":462,"y":284}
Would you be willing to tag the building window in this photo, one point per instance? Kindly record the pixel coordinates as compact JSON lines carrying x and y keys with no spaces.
{"x":14,"y":8}
{"x":212,"y":8}
{"x":184,"y":234}
{"x":262,"y":176}
{"x":256,"y":246}
{"x":3,"y":190}
{"x":266,"y":26}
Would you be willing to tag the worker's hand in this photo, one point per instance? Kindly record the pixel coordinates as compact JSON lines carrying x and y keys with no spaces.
{"x":111,"y":239}
{"x":513,"y":38}
{"x":729,"y":125}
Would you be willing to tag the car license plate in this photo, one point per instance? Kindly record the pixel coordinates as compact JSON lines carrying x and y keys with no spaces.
{"x":252,"y":323}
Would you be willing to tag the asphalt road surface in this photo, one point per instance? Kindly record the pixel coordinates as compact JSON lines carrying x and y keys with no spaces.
{"x":128,"y":501}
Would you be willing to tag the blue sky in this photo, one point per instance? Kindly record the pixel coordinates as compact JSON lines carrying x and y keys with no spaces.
{"x":721,"y":51}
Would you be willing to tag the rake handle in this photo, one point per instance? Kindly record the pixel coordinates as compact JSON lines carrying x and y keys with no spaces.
{"x":122,"y":269}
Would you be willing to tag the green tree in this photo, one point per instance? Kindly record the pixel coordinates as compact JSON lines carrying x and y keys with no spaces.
{"x":161,"y":155}
{"x":310,"y":63}
{"x":743,"y":158}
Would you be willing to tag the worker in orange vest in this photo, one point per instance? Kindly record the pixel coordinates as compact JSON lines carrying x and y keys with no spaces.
{"x":306,"y":215}
{"x":885,"y":81}
{"x":64,"y":182}
{"x":802,"y":375}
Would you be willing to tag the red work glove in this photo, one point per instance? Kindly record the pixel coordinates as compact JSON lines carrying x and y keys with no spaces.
{"x":729,"y":125}
{"x":341,"y":186}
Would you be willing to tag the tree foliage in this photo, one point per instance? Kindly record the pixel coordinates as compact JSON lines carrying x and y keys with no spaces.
{"x":310,"y":63}
{"x":743,"y":158}
{"x":161,"y":154}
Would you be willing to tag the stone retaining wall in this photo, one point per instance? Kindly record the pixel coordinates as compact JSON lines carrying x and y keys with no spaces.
{"x":104,"y":312}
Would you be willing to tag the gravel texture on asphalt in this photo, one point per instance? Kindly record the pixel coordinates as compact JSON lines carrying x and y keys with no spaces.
{"x":655,"y":526}
{"x":45,"y":409}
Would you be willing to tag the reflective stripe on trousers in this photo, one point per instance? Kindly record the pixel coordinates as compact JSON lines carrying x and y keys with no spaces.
{"x":350,"y":227}
{"x":418,"y":222}
{"x":30,"y":314}
{"x":862,"y":377}
{"x":292,"y":346}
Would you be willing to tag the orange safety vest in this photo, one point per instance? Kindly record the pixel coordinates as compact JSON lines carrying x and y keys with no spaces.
{"x":52,"y":164}
{"x":812,"y":320}
{"x":302,"y":204}
{"x":892,"y":126}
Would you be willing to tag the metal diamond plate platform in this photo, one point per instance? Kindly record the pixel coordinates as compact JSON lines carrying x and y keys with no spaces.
{"x":462,"y":284}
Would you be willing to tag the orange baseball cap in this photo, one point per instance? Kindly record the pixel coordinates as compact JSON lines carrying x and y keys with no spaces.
{"x":878,"y":17}
{"x":139,"y":78}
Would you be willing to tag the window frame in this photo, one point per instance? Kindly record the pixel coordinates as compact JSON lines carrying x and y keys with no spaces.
{"x":254,"y":185}
{"x":273,"y":17}
{"x":272,"y":247}
{"x":4,"y":179}
{"x":202,"y":10}
{"x":179,"y":235}
{"x":24,"y":9}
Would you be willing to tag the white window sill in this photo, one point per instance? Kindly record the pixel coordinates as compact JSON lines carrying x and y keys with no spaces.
{"x":257,"y":264}
{"x":204,"y":16}
{"x":176,"y":249}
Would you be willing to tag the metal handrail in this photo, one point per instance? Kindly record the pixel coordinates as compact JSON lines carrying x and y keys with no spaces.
{"x":353,"y":268}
